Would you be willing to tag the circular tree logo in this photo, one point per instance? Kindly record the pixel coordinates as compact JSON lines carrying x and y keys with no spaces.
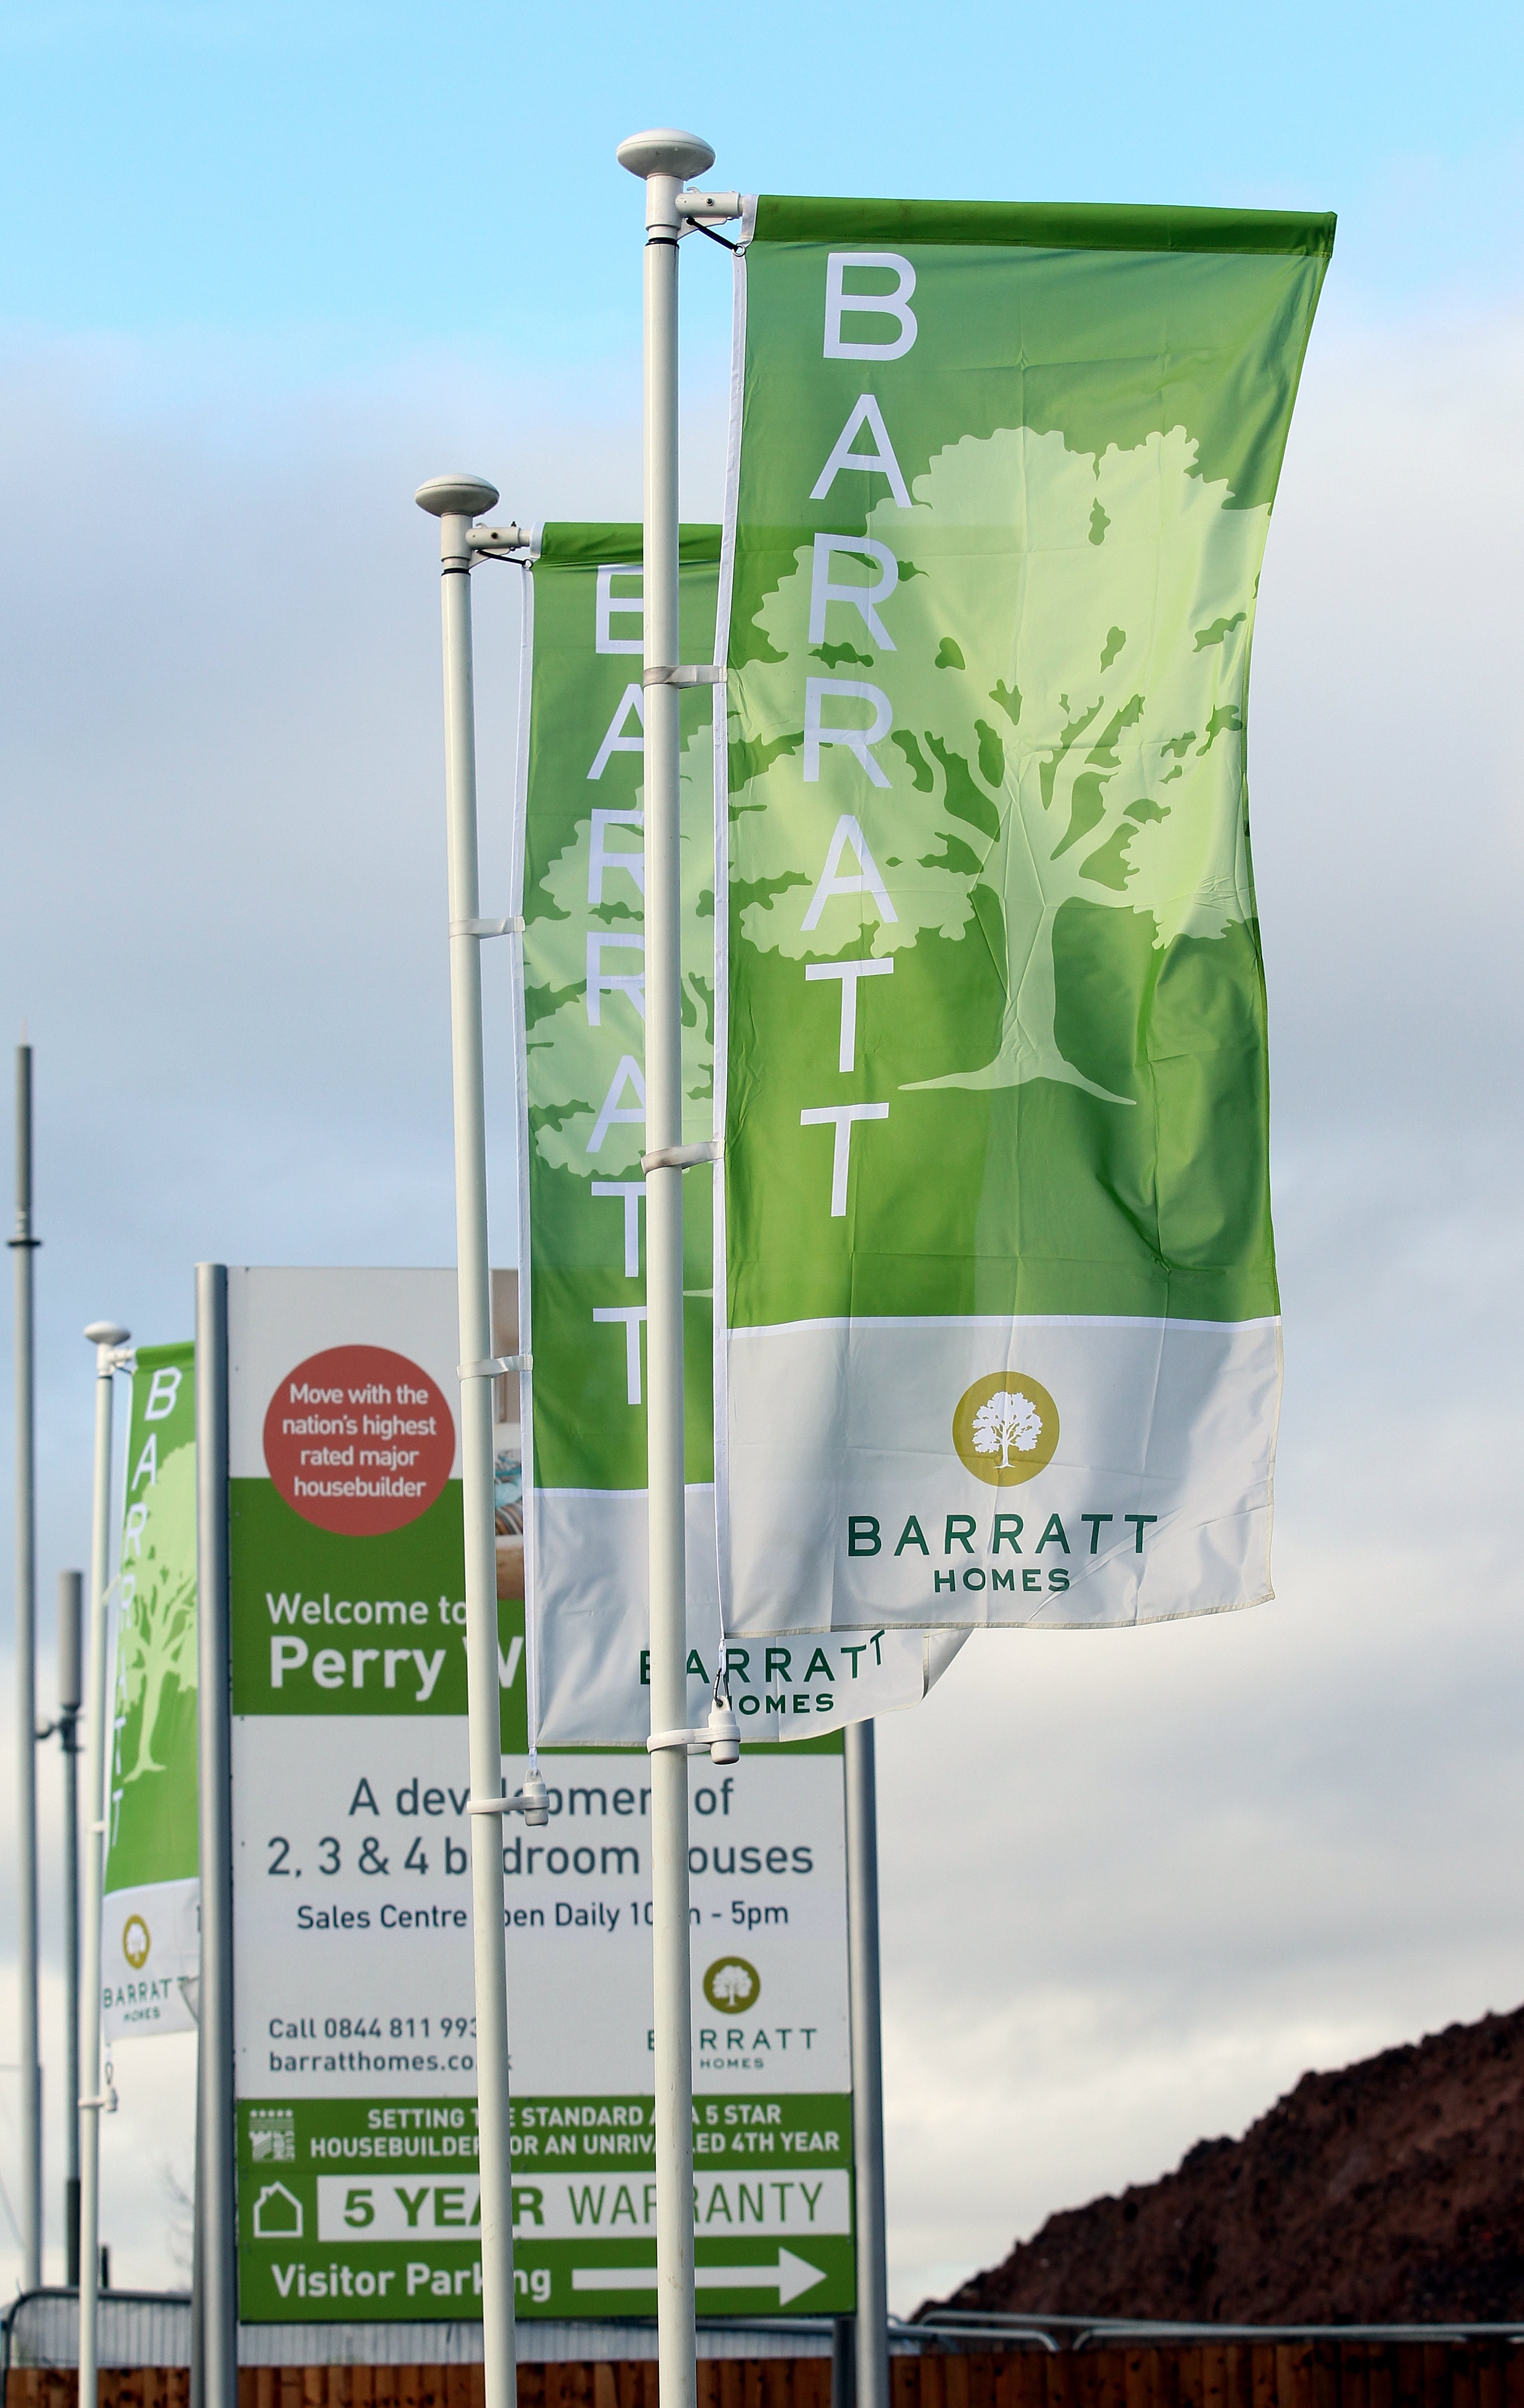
{"x":731,"y":1984}
{"x":135,"y":1942}
{"x":1005,"y":1429}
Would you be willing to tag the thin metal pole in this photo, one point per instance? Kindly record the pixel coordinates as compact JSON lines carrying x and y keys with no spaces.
{"x":215,"y":2166}
{"x":663,"y":159}
{"x":24,"y":1246}
{"x":674,"y":2069}
{"x":70,"y":1697}
{"x":198,"y":2194}
{"x":107,"y":1341}
{"x":843,"y":2360}
{"x":455,"y":502}
{"x":867,"y":2069}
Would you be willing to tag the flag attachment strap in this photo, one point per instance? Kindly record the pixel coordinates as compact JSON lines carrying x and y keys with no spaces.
{"x":494,"y":1368}
{"x":510,"y":927}
{"x":681,"y":1157}
{"x":694,"y":673}
{"x":696,"y":225}
{"x":108,"y":2103}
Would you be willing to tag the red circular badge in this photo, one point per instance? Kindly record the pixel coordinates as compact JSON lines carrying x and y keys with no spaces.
{"x":359,"y":1440}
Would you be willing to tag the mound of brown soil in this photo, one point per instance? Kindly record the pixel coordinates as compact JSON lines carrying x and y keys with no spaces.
{"x":1390,"y":2192}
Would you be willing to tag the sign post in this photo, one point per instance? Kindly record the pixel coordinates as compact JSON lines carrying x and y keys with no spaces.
{"x":216,"y":2323}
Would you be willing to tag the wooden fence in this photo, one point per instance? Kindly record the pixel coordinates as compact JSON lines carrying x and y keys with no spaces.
{"x":1246,"y":2374}
{"x":1234,"y":2374}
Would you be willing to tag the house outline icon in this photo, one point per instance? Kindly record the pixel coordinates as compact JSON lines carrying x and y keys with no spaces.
{"x":277,"y":2214}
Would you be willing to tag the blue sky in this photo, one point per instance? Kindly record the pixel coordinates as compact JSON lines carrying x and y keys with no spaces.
{"x":262,"y":270}
{"x":354,"y":180}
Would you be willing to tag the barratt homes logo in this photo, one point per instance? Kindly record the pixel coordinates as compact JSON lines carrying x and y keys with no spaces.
{"x":1005,"y":1429}
{"x":135,"y":1942}
{"x":731,"y":1984}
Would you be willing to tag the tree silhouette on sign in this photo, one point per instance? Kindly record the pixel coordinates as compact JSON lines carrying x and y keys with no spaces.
{"x":732,"y":1985}
{"x":1067,"y":672}
{"x":157,"y":1642}
{"x":1005,"y":1420}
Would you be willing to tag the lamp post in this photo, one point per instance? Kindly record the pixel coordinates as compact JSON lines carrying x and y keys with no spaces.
{"x":214,"y":2316}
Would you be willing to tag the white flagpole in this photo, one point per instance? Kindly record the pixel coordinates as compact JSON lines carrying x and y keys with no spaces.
{"x":111,"y":1355}
{"x":665,"y":159}
{"x":70,"y":1699}
{"x":872,"y":2355}
{"x":454,"y":501}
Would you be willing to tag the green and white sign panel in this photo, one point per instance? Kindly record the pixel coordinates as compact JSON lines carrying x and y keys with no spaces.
{"x":582,"y":1195}
{"x":150,"y":1926}
{"x":354,"y":2024}
{"x":1000,"y":1336}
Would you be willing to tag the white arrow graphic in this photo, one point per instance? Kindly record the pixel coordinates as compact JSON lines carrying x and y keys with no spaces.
{"x":789,"y":2277}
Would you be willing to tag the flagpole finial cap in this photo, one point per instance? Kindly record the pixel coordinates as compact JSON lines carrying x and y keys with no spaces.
{"x":457,"y":497}
{"x":665,"y":152}
{"x":107,"y":1333}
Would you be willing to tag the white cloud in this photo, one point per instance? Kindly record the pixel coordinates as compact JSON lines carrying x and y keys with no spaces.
{"x":1132,"y":1884}
{"x":1174,"y":1868}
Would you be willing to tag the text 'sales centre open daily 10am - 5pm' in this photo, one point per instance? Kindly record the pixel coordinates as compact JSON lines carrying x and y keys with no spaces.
{"x":355,"y":2033}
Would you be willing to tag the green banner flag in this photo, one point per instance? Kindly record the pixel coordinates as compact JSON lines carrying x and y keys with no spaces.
{"x":151,"y":1941}
{"x":1001,"y":1339}
{"x":582,"y":1301}
{"x":582,"y":1298}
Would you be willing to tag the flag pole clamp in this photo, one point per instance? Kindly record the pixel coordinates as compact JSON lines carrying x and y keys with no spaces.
{"x":720,"y":1741}
{"x":108,"y":2103}
{"x":533,"y":1801}
{"x":503,"y":543}
{"x":694,"y":673}
{"x":681,"y":1157}
{"x":709,"y":208}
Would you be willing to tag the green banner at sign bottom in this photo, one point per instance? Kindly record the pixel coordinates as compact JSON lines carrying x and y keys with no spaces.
{"x":368,"y":2211}
{"x":558,"y":2278}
